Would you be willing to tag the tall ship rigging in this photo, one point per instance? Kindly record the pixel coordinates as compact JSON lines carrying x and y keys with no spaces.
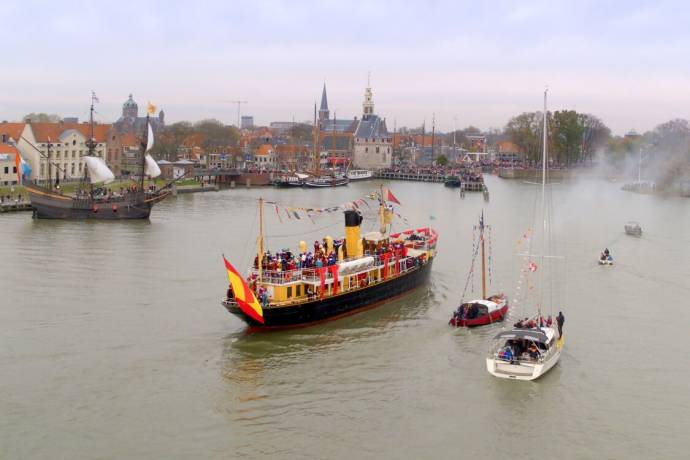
{"x":533,"y":346}
{"x":92,"y":200}
{"x":340,"y":277}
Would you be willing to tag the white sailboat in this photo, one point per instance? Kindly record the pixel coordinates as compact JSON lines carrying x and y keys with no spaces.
{"x":529,"y":351}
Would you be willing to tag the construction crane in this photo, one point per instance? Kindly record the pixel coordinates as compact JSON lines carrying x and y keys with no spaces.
{"x":239,"y":103}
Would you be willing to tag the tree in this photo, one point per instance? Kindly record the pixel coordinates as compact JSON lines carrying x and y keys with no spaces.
{"x":42,"y":117}
{"x":565,"y":132}
{"x":441,"y":160}
{"x":595,"y":135}
{"x":216,"y":134}
{"x":301,"y":133}
{"x":524,"y":131}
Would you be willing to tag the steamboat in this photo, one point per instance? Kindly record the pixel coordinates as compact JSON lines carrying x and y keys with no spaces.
{"x":340,"y":278}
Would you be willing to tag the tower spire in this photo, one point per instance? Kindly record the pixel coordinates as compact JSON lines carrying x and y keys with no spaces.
{"x":368,"y":105}
{"x":323,"y":111}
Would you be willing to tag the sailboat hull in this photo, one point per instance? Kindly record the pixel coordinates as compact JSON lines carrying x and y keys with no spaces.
{"x":521,"y":371}
{"x":49,"y":205}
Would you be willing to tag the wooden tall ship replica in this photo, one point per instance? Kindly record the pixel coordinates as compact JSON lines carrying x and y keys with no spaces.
{"x":135,"y":202}
{"x":340,"y":278}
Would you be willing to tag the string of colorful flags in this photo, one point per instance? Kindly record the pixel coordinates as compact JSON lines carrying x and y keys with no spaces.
{"x":301,"y":212}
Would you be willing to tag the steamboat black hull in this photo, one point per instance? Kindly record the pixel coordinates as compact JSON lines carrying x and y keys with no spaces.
{"x":48,"y":205}
{"x":348,"y":303}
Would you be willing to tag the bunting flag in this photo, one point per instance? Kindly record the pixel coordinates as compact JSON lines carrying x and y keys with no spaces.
{"x":390,"y":197}
{"x":243,"y":295}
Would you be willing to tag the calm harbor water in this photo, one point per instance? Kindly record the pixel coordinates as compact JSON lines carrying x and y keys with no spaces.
{"x":114,"y":344}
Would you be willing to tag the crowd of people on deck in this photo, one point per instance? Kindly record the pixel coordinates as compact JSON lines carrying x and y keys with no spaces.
{"x":516,"y":349}
{"x":107,"y":194}
{"x":286,"y":266}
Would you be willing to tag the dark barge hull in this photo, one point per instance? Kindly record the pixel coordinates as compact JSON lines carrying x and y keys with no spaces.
{"x":47,"y":205}
{"x":307,"y":313}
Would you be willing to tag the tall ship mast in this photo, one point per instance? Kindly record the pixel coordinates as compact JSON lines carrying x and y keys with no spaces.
{"x":340,"y":277}
{"x":98,"y":201}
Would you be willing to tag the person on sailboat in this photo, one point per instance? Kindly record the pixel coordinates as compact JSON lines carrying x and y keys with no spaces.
{"x":560,"y":319}
{"x":534,"y":351}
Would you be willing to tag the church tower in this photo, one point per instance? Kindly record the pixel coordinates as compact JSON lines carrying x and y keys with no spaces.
{"x":323,"y":111}
{"x":368,"y":105}
{"x":130,"y":109}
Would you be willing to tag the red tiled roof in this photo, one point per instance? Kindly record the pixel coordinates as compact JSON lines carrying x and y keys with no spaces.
{"x":7,"y":148}
{"x":43,"y":132}
{"x":264,"y":149}
{"x":13,"y":130}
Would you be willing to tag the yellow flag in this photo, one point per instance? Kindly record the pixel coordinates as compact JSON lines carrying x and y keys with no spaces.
{"x":151,"y":109}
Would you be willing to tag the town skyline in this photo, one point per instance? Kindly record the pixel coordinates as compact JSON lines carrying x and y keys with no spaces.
{"x":466,"y":64}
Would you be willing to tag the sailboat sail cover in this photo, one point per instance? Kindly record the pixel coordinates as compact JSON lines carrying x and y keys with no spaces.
{"x":149,"y":139}
{"x":98,"y":170}
{"x":152,"y":169}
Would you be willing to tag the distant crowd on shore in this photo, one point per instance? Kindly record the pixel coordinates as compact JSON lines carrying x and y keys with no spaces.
{"x":466,"y":174}
{"x":13,"y":199}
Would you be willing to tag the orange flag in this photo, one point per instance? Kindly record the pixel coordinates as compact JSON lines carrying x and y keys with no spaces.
{"x":243,"y":295}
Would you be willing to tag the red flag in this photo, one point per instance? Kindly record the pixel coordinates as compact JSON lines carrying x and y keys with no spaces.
{"x":243,"y":295}
{"x":392,"y":197}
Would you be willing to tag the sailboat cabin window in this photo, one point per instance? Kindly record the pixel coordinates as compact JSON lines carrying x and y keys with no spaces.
{"x":289,"y":291}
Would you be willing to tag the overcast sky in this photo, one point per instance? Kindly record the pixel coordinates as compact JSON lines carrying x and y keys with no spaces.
{"x":627,"y":62}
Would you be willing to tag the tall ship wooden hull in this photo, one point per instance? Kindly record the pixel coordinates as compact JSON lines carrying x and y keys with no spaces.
{"x":336,"y":306}
{"x":47,"y":204}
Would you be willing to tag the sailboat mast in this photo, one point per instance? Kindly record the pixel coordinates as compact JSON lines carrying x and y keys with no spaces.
{"x":481,"y":240}
{"x":315,"y":141}
{"x":382,"y":220}
{"x":543,"y":208}
{"x":260,"y":239}
{"x":50,"y":168}
{"x":91,"y":142}
{"x":143,"y":152}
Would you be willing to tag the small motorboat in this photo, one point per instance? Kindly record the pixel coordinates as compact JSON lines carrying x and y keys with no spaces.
{"x":633,"y":228}
{"x":480,"y":312}
{"x":452,"y":181}
{"x":606,"y":260}
{"x":359,"y":174}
